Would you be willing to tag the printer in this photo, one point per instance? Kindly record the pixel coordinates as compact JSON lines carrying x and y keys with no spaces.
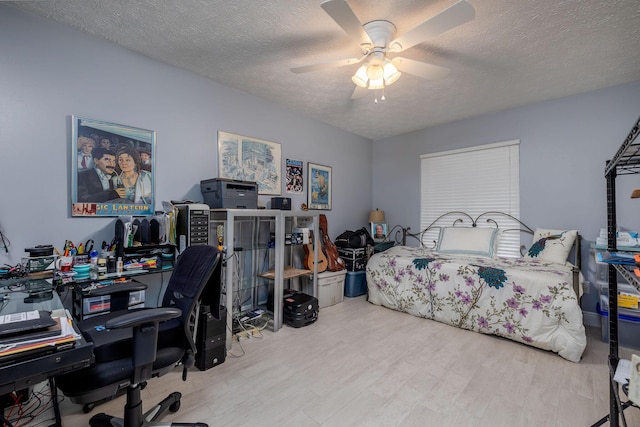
{"x":229,"y":193}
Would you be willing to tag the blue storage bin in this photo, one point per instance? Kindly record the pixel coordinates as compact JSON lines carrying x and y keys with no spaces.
{"x":355,"y":284}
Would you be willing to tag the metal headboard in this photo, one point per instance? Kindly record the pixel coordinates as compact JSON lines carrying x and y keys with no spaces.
{"x":459,"y":218}
{"x":398,"y":234}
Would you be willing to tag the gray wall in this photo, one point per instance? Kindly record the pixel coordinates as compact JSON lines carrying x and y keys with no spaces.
{"x":50,"y":72}
{"x":564,"y":146}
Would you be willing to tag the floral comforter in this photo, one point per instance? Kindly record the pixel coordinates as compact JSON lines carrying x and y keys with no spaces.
{"x":527,"y":301}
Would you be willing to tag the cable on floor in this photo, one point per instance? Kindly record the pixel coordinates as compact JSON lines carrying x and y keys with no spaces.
{"x":230,"y":351}
{"x":22,"y":414}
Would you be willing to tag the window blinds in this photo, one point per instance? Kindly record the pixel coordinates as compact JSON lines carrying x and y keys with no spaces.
{"x":473,"y":180}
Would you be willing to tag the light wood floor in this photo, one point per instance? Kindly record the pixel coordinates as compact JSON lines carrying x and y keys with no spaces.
{"x":364,"y":365}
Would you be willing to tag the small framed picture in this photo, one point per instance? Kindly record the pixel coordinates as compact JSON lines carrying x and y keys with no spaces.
{"x":379,"y":230}
{"x":318,"y":186}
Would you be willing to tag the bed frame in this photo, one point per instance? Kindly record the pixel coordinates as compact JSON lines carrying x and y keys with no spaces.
{"x":400,"y":234}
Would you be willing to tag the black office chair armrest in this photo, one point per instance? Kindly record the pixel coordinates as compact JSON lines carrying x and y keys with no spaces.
{"x":140,"y":317}
{"x":118,"y":288}
{"x":145,"y":336}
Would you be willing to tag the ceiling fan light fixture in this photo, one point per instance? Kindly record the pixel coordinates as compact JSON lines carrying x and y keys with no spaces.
{"x":391,"y":73}
{"x":360,"y":78}
{"x":376,"y":83}
{"x":378,"y":38}
{"x":375,"y":72}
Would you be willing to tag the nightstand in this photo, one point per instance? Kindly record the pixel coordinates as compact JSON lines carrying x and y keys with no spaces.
{"x":382,"y":246}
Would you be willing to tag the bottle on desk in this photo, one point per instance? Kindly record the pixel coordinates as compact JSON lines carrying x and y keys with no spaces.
{"x":119,"y":266}
{"x":93,"y":270}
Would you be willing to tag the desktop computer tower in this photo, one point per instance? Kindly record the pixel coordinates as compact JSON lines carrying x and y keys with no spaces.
{"x":192,"y":226}
{"x":210,"y":339}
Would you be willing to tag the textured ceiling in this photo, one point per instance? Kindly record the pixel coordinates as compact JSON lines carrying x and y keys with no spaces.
{"x":513,"y":53}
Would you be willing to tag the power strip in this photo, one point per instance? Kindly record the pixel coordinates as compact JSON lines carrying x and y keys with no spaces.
{"x":246,"y":334}
{"x":252,"y":315}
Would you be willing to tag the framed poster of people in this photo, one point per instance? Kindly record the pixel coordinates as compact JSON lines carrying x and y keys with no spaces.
{"x":112,"y":169}
{"x":318,"y":186}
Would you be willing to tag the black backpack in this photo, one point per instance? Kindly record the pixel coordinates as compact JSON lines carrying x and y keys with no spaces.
{"x":354,"y":239}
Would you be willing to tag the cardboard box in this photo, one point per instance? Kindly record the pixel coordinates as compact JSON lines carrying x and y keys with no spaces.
{"x":623,"y":238}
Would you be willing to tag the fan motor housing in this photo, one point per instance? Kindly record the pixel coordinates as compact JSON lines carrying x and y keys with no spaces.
{"x":380,"y":32}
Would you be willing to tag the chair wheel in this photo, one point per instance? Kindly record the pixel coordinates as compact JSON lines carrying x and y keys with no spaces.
{"x":101,"y":420}
{"x":88,"y":407}
{"x":175,"y":406}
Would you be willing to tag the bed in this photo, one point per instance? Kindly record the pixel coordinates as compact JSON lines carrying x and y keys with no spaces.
{"x":458,"y":279}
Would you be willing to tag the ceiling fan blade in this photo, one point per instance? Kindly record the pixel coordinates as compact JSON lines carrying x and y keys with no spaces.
{"x":455,"y":15}
{"x":420,"y":69}
{"x":340,"y":11}
{"x":325,"y":65}
{"x":359,"y":92}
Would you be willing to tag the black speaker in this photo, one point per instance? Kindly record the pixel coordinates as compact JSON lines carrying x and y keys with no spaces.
{"x":282,"y":203}
{"x":154,"y":231}
{"x":210,"y":339}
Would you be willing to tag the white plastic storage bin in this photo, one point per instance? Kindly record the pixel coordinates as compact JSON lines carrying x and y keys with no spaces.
{"x":93,"y":305}
{"x":330,"y":288}
{"x":602,"y":268}
{"x":628,"y":299}
{"x":628,"y":328}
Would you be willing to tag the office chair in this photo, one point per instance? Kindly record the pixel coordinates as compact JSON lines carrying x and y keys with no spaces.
{"x":132,"y":346}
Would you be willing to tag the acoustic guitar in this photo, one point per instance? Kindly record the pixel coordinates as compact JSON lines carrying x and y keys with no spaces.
{"x":309,"y":257}
{"x":334,"y":262}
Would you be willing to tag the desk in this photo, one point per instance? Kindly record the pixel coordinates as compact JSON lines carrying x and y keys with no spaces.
{"x":27,"y":369}
{"x":85,"y":303}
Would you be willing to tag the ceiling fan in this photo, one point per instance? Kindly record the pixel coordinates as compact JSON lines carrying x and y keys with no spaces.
{"x":376,"y":41}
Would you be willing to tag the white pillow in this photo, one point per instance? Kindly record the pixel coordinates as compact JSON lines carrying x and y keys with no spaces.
{"x":467,"y":240}
{"x":552,"y":245}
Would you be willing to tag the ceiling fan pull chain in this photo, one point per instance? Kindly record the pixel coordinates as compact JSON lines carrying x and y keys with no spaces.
{"x":382,"y":98}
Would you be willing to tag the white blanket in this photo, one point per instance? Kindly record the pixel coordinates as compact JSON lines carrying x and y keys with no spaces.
{"x":527,"y":301}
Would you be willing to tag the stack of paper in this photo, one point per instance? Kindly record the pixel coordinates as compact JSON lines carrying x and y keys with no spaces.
{"x":66,"y":335}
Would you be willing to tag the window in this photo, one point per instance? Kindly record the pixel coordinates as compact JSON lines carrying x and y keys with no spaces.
{"x":473,"y":180}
